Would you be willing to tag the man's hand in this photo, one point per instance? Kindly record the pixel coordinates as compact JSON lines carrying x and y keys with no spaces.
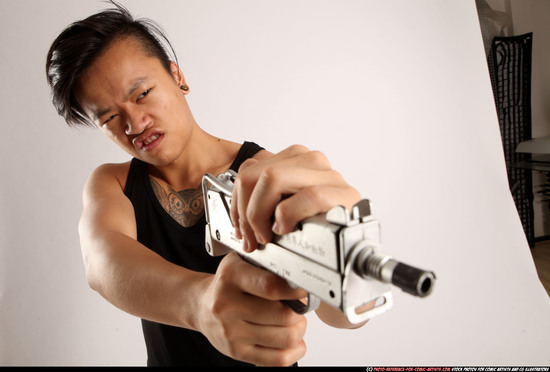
{"x":274,"y":194}
{"x":244,"y":318}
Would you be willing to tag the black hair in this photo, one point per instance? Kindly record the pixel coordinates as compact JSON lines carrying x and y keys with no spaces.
{"x":80,"y":44}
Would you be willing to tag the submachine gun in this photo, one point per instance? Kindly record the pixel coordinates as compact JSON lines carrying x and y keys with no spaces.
{"x":334,"y":256}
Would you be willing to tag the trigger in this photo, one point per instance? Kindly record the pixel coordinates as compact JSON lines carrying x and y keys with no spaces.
{"x":299,"y":307}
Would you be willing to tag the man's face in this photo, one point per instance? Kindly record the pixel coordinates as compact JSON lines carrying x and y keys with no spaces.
{"x":137,"y":103}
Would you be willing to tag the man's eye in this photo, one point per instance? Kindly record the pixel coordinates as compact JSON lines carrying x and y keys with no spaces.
{"x":109,"y":119}
{"x":144,"y":94}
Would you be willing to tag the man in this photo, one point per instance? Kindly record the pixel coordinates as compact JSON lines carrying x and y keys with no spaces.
{"x":142,"y":226}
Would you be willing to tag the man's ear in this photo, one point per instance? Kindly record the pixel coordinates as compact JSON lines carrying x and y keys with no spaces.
{"x":177,"y":74}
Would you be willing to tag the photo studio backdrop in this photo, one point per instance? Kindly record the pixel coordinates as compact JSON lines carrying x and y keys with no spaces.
{"x":396,"y":93}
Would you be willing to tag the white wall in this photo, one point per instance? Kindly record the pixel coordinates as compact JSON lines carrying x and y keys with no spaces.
{"x":396,"y":93}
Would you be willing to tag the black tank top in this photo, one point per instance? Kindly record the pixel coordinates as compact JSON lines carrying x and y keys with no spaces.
{"x":184,"y":246}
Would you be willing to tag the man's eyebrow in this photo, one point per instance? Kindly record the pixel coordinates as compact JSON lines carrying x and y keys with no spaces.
{"x":100,"y":113}
{"x":136,"y":84}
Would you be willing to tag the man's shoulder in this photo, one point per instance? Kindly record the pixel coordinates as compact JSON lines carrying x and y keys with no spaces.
{"x":113,"y":168}
{"x":111,"y":172}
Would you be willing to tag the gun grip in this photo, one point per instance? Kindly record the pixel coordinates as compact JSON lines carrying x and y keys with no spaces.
{"x":299,"y":307}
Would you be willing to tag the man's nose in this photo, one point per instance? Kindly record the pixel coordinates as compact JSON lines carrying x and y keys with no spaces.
{"x":136,"y":122}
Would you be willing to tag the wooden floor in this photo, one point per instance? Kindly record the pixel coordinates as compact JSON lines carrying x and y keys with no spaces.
{"x":541,"y":256}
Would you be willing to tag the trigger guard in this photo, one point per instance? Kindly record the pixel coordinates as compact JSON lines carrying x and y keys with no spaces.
{"x":299,"y":307}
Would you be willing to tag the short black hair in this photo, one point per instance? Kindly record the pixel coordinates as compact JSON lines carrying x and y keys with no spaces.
{"x":80,"y":44}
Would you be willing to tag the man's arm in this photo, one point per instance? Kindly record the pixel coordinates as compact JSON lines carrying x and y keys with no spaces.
{"x":238,"y":309}
{"x":126,"y":273}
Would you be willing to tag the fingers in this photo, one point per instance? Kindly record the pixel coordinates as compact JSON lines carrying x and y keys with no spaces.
{"x":311,"y":201}
{"x":279,"y":357}
{"x":280,"y":337}
{"x":274,"y":194}
{"x":248,"y":175}
{"x":272,"y":346}
{"x":291,"y":194}
{"x":247,"y":321}
{"x":258,"y":282}
{"x":268,"y":175}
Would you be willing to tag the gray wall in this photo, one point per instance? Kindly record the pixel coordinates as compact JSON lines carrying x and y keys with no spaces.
{"x":396,"y":93}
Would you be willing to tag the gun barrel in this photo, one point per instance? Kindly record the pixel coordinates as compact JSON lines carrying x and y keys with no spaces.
{"x":382,"y":267}
{"x":412,"y":280}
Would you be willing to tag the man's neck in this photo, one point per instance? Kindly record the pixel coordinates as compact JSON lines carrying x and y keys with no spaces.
{"x":203,"y":154}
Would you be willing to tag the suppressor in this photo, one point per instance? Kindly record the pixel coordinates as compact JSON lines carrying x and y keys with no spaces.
{"x":384,"y":268}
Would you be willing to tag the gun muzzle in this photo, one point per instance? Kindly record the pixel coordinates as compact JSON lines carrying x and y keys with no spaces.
{"x":388,"y":270}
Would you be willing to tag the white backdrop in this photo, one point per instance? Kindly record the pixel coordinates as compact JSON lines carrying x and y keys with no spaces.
{"x":395,"y":92}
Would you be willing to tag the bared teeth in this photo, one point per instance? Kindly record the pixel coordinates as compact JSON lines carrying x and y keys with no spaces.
{"x":150,"y":139}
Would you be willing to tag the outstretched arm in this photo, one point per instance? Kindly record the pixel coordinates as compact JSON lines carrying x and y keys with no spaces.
{"x":238,"y":309}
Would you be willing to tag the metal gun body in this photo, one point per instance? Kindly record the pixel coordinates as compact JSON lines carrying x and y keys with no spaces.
{"x":334,"y":256}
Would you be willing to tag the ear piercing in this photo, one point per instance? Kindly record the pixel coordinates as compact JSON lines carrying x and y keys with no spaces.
{"x":184,"y":87}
